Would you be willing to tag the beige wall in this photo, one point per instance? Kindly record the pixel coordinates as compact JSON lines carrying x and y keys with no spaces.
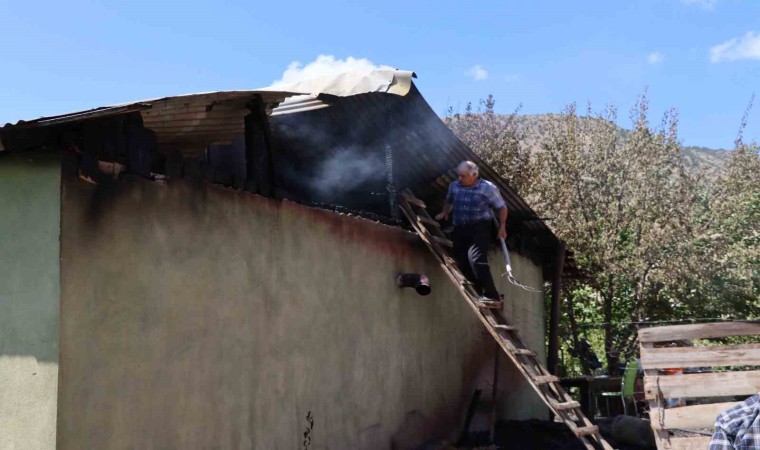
{"x":29,"y":292}
{"x":518,"y":401}
{"x":195,"y":316}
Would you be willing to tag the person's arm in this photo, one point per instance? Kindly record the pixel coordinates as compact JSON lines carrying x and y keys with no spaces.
{"x":720,"y":439}
{"x":445,"y":213}
{"x":448,"y":204}
{"x":502,"y":233}
{"x":496,"y":202}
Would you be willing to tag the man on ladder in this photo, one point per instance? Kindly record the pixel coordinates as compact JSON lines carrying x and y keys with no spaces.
{"x":471,"y":200}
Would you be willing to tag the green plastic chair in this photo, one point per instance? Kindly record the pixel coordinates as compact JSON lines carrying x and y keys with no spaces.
{"x":628,"y":384}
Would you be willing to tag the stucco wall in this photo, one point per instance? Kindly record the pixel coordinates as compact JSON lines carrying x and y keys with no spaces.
{"x":199,"y":317}
{"x":518,"y":401}
{"x":29,"y":291}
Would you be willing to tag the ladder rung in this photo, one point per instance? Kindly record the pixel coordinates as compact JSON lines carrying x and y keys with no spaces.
{"x":489,"y":305}
{"x":499,"y":326}
{"x":413,"y":200}
{"x":524,"y":352}
{"x":427,"y":221}
{"x":546,"y":379}
{"x":565,"y":406}
{"x":585,"y":431}
{"x":443,"y":241}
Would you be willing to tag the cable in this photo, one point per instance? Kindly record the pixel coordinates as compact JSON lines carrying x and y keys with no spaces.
{"x":644,"y":322}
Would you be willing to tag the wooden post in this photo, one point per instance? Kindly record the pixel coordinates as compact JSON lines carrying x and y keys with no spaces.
{"x":258,"y":150}
{"x":553,"y":353}
{"x":494,"y":394}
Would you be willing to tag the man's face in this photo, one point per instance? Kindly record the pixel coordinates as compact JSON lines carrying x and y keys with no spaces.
{"x":466,"y":179}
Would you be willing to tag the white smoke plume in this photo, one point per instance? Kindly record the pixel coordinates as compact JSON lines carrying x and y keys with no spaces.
{"x":346,"y":169}
{"x":323,"y":66}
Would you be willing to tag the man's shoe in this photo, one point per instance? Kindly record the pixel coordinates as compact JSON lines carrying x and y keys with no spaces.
{"x":486,"y":302}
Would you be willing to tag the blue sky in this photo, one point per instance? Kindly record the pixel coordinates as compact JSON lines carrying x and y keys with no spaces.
{"x":701,"y":57}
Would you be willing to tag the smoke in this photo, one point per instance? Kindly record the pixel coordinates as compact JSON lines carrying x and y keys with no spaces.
{"x":325,"y":65}
{"x":346,"y":169}
{"x":353,"y":157}
{"x":348,"y":166}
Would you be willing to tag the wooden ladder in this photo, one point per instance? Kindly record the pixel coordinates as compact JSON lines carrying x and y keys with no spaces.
{"x":506,"y":335}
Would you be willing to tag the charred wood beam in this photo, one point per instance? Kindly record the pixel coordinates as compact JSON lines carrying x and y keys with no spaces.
{"x":463,"y":436}
{"x":258,"y":150}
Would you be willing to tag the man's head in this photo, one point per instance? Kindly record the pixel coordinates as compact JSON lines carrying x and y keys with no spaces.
{"x":468,"y":173}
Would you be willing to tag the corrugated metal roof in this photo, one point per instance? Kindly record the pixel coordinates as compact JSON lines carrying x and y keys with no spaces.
{"x":188,"y":122}
{"x":299,"y":103}
{"x":192,"y":122}
{"x":424,"y":151}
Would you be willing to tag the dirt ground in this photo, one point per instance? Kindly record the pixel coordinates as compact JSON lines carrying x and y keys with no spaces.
{"x":541,"y":435}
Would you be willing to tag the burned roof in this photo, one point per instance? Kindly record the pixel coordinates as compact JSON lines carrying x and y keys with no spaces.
{"x":361,"y":150}
{"x":352,"y":141}
{"x":193,"y":122}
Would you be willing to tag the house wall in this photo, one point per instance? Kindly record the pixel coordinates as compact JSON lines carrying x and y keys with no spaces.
{"x":517,"y":400}
{"x":29,"y":292}
{"x":195,"y":316}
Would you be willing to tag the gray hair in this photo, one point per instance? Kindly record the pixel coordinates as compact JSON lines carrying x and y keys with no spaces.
{"x":468,"y":167}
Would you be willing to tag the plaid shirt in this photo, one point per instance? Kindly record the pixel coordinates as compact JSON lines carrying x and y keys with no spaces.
{"x":474,"y":203}
{"x":738,"y":428}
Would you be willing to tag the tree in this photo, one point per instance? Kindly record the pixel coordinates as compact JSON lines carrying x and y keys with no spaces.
{"x":735,"y":227}
{"x":623,"y":204}
{"x":656,"y":242}
{"x":724,"y":282}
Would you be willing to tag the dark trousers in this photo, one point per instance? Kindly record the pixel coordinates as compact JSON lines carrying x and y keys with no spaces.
{"x":471,"y":254}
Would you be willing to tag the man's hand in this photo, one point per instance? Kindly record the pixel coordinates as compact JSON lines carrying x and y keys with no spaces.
{"x":444,"y":214}
{"x":502,"y":233}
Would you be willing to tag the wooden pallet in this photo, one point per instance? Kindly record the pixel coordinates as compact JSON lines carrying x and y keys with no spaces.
{"x":696,"y":385}
{"x":506,"y":334}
